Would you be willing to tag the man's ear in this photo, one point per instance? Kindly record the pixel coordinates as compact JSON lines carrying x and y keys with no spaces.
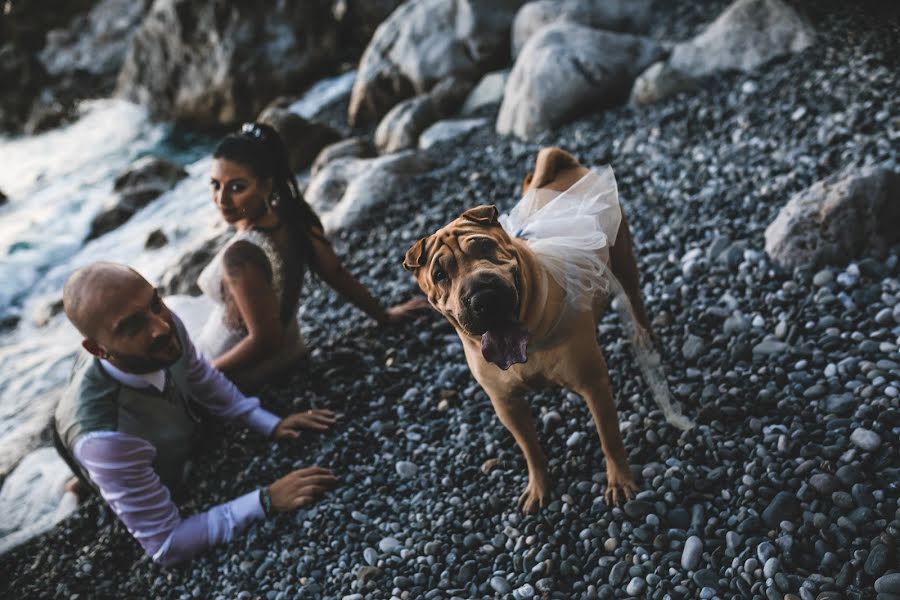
{"x":94,"y":348}
{"x":416,"y":256}
{"x":483,"y":215}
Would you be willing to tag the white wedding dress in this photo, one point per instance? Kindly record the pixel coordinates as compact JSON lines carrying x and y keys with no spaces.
{"x":205,"y":316}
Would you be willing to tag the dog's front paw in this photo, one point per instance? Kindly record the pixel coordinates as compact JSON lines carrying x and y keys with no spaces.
{"x":619,"y":489}
{"x":536,"y":495}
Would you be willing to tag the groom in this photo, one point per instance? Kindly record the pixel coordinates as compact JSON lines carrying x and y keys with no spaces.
{"x":128,"y":420}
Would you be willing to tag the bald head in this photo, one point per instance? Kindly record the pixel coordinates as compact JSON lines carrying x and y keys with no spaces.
{"x":94,"y":291}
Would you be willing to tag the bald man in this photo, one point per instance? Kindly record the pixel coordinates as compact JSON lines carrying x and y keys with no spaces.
{"x":129,"y":418}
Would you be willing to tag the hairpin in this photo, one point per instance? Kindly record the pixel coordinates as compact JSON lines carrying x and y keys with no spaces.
{"x":252,"y":129}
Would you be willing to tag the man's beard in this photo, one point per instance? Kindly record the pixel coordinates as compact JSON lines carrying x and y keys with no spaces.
{"x":148,"y":364}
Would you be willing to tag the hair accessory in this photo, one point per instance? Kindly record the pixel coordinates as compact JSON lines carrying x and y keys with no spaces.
{"x":253,"y":130}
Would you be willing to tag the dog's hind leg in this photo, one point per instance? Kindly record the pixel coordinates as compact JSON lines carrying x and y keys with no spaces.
{"x":515,"y":414}
{"x":624,"y":266}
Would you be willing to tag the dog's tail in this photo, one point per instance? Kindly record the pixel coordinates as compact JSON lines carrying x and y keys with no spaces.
{"x":647,"y":356}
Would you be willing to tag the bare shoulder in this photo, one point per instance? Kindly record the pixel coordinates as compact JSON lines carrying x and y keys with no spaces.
{"x":243,"y":255}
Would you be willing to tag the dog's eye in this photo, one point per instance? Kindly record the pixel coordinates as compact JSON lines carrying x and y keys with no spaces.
{"x":438,"y":275}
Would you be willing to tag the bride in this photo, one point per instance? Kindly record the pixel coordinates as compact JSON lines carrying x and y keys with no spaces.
{"x":246,"y":321}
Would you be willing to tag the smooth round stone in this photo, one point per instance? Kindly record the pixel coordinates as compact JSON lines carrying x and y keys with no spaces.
{"x":764,"y":551}
{"x":878,"y":560}
{"x":888,"y":584}
{"x":526,"y":592}
{"x":784,"y":506}
{"x":388,"y":545}
{"x":575,"y":438}
{"x":771,"y":567}
{"x":823,"y":483}
{"x":637,"y":508}
{"x":500,"y":585}
{"x":635,"y":586}
{"x":691,"y":554}
{"x":706,"y":578}
{"x":406,"y":469}
{"x":865,"y":439}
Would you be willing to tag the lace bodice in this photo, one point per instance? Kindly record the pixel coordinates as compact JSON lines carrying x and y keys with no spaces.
{"x":211,"y":279}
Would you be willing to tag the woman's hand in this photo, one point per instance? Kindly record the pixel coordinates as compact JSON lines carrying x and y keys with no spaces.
{"x":406,"y":310}
{"x":312,"y":420}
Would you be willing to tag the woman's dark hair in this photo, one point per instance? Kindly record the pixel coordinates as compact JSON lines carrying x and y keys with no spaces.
{"x":258,"y":147}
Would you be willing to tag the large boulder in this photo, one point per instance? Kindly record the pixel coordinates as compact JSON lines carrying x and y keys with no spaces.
{"x":215,"y":64}
{"x":145,"y":180}
{"x":303,"y":139}
{"x":401,"y":126}
{"x":356,"y":147}
{"x":93,"y":44}
{"x":346,"y":189}
{"x":424,"y":42}
{"x":746,"y":36}
{"x":838,"y":219}
{"x":80,"y":58}
{"x":630,"y":16}
{"x":566,"y":68}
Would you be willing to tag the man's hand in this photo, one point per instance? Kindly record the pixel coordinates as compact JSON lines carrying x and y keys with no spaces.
{"x":406,"y":310}
{"x":300,"y":488}
{"x":313,"y":420}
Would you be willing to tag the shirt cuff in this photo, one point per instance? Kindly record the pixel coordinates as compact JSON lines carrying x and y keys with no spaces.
{"x":262,"y":421}
{"x":248,"y":508}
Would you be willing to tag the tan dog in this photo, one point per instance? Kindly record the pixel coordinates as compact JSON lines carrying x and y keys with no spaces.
{"x":491,"y":288}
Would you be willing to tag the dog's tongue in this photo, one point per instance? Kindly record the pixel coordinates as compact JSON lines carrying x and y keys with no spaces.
{"x":506,"y":344}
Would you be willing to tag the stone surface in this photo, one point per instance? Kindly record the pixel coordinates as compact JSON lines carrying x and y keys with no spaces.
{"x":144,"y":181}
{"x":837,"y":219}
{"x":356,"y":147}
{"x":303,"y":139}
{"x":346,"y":189}
{"x":488,"y":92}
{"x":451,"y":129}
{"x":628,"y":16}
{"x":566,"y":68}
{"x":181,"y":276}
{"x":424,"y":42}
{"x":746,"y":36}
{"x":215,"y":65}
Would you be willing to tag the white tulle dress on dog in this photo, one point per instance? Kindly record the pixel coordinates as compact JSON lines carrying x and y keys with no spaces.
{"x":571,"y":233}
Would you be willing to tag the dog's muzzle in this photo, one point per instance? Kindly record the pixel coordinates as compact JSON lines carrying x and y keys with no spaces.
{"x":487,"y":302}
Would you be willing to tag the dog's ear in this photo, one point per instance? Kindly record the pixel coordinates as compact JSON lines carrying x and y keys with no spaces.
{"x":483,"y":215}
{"x":416,"y":256}
{"x":549,"y":163}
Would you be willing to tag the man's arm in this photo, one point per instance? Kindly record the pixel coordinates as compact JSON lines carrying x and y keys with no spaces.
{"x":121,"y":466}
{"x":222,"y":398}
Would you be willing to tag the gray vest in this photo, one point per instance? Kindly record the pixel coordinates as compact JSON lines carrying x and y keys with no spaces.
{"x":94,"y":401}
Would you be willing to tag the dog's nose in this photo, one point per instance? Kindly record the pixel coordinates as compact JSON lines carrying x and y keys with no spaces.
{"x":482,"y":301}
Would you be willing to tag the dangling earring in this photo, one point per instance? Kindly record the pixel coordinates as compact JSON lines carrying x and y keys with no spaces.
{"x":274,"y":199}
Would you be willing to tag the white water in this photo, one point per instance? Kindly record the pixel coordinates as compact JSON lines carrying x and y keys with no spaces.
{"x":56,"y":183}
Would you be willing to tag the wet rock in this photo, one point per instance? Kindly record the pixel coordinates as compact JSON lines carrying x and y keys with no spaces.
{"x":566,"y":68}
{"x":204,"y":64}
{"x":614,"y":15}
{"x":692,"y":553}
{"x":783,"y":507}
{"x":156,"y":239}
{"x":837,"y":219}
{"x":303,"y":139}
{"x":145,"y":180}
{"x":425,"y":42}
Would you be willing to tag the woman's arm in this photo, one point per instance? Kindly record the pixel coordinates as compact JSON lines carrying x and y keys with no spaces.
{"x":248,"y":281}
{"x":333,"y":272}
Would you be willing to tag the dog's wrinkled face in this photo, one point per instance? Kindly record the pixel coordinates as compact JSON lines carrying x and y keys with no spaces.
{"x":470,"y":272}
